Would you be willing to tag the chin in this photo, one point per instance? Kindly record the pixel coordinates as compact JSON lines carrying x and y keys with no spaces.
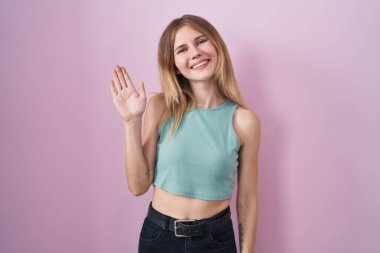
{"x":201,"y":77}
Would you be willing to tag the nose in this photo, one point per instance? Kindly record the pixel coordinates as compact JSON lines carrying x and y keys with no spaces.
{"x":195,"y":52}
{"x":195,"y":56}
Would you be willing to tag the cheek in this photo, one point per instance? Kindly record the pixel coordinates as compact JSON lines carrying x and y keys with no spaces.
{"x":179,"y":63}
{"x":214,"y":53}
{"x":215,"y":56}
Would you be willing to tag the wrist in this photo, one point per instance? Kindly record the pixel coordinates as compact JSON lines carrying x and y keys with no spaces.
{"x":132,"y":122}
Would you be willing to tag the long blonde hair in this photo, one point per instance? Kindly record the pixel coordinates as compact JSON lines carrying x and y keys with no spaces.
{"x":176,"y":88}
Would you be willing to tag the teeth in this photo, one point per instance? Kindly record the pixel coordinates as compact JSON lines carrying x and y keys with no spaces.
{"x":200,"y":64}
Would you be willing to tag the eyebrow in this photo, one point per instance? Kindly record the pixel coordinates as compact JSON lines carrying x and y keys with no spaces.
{"x":185,"y":45}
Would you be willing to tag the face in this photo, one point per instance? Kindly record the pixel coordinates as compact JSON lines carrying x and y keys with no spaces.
{"x":194,"y":55}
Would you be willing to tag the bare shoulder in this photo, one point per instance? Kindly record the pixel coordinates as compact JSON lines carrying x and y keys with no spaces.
{"x":156,"y":101}
{"x":156,"y":108}
{"x":246,"y":124}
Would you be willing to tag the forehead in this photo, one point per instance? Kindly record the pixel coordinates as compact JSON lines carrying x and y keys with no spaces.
{"x":185,"y":34}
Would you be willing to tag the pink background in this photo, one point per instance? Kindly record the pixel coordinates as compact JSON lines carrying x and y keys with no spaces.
{"x":309,"y":69}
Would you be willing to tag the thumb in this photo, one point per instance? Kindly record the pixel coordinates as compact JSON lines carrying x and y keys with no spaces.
{"x":142,"y":89}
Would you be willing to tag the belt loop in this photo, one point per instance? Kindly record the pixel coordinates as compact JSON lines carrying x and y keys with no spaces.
{"x":167,"y":222}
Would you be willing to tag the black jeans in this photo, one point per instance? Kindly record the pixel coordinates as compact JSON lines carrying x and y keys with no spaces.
{"x":154,"y":238}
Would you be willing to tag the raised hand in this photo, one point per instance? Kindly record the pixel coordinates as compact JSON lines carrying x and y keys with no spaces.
{"x":129,"y":102}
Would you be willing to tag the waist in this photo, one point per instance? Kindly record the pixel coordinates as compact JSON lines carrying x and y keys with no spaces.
{"x":189,"y":227}
{"x":185,"y":207}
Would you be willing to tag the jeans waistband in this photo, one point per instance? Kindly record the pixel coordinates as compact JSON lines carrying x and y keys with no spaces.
{"x":189,"y":228}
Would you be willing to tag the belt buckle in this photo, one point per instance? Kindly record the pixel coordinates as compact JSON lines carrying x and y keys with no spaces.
{"x":175,"y":227}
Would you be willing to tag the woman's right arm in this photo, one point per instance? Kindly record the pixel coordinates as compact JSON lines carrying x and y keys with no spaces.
{"x":142,"y":158}
{"x":140,"y":150}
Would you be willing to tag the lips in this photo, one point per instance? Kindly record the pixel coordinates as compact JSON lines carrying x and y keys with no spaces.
{"x":200,"y":63}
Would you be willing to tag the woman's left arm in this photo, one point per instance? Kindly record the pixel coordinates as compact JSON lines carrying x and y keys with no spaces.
{"x":247,"y":127}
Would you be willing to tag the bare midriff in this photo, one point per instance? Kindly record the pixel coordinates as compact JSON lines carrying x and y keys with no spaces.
{"x":181,"y":207}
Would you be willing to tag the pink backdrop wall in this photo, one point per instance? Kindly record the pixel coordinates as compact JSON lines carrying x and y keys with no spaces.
{"x":310,"y":69}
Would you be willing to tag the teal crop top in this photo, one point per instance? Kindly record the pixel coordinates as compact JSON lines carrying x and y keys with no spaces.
{"x":200,"y":160}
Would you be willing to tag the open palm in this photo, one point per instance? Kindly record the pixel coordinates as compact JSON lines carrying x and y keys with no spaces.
{"x":129,"y":102}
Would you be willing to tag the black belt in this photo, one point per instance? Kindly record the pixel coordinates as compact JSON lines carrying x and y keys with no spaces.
{"x":188,"y":228}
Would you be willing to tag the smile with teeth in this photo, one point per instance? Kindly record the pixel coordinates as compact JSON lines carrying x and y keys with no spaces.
{"x":200,"y":65}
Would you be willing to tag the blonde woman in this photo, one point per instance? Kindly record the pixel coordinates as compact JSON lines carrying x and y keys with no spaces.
{"x":197,"y":135}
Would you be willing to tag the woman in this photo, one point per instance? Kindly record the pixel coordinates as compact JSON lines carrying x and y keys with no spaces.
{"x":197,"y":134}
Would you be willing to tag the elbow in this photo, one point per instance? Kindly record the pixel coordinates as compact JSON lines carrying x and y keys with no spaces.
{"x":137,"y":186}
{"x":137,"y":193}
{"x":137,"y":190}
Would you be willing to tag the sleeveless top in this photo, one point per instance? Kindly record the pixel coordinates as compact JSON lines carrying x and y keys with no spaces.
{"x":200,"y":160}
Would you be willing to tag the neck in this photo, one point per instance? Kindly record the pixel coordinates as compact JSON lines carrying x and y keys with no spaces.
{"x":206,"y":94}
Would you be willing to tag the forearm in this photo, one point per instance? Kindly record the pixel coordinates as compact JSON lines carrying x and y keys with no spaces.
{"x":247,"y":217}
{"x":136,"y":165}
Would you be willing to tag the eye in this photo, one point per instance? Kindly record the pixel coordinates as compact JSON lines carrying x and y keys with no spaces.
{"x":202,"y":41}
{"x":181,"y":50}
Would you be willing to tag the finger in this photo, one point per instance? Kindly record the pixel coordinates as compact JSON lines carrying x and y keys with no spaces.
{"x":121,"y":78}
{"x":116,"y":81}
{"x":113,"y":89}
{"x":127,"y":78}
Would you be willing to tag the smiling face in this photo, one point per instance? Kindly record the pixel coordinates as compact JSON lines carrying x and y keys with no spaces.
{"x":194,"y":55}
